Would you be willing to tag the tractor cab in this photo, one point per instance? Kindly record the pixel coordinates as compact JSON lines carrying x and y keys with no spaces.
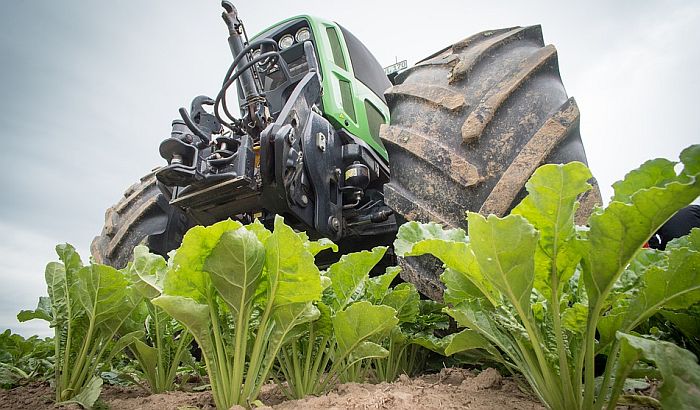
{"x":306,"y":144}
{"x":352,"y":80}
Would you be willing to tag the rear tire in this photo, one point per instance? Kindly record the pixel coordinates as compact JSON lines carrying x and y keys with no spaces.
{"x":142,"y":216}
{"x":469,"y":126}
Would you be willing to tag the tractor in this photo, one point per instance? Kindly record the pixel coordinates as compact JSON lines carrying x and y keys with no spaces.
{"x":319,"y":134}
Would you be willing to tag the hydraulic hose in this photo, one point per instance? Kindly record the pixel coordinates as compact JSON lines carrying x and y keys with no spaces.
{"x":192,"y":126}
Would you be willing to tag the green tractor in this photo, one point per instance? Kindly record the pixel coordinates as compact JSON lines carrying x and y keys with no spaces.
{"x":320,"y":135}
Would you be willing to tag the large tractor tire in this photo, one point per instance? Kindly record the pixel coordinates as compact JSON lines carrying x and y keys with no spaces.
{"x":142,"y":216}
{"x":469,"y":126}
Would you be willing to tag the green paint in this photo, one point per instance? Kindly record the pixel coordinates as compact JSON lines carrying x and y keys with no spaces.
{"x":353,"y":119}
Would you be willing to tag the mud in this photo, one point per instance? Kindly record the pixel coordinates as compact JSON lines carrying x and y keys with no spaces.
{"x":532,"y":155}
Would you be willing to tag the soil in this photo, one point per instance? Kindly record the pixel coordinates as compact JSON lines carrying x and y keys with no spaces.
{"x":449,"y":389}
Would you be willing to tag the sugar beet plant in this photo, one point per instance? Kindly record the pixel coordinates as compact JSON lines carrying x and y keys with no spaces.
{"x":240,"y":298}
{"x":160,"y":343}
{"x":347,"y":333}
{"x":323,"y":351}
{"x":548,"y":297}
{"x":413,"y":335}
{"x":245,"y":292}
{"x":23,"y":359}
{"x":87,"y":307}
{"x":367,"y":330}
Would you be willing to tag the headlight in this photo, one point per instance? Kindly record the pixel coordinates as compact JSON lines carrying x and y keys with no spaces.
{"x":286,"y":41}
{"x":303,"y":34}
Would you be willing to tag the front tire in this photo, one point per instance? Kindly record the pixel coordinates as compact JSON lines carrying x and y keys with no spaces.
{"x":143,"y":215}
{"x":469,"y":126}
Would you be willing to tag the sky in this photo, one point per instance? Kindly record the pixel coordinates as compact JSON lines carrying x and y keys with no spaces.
{"x":89,"y":89}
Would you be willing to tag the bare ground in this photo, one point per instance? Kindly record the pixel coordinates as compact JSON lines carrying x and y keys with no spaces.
{"x":449,"y":389}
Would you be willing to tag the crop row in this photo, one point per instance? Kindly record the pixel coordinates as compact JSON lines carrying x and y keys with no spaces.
{"x":531,"y":292}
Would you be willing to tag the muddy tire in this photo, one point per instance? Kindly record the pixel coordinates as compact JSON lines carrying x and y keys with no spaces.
{"x":143,"y":215}
{"x":469,"y":125}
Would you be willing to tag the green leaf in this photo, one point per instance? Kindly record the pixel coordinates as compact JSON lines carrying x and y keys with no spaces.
{"x":57,"y":285}
{"x":69,"y":257}
{"x":550,"y":207}
{"x":377,"y":287}
{"x":504,"y":249}
{"x":690,"y":157}
{"x":325,"y":282}
{"x":687,"y":323}
{"x":465,"y":340}
{"x":60,"y":278}
{"x":124,"y":342}
{"x":631,"y":279}
{"x":160,"y":349}
{"x":102,"y":292}
{"x":288,"y":317}
{"x":88,"y":395}
{"x":267,"y":281}
{"x":430,"y":342}
{"x":349,"y":274}
{"x":415,"y":239}
{"x":323,"y":326}
{"x":42,"y":311}
{"x":474,"y":315}
{"x":669,"y":280}
{"x":367,"y":350}
{"x":503,"y":280}
{"x":460,"y":285}
{"x":292,"y":273}
{"x":608,"y":325}
{"x":692,"y":241}
{"x":235,"y":266}
{"x":679,"y":369}
{"x":406,"y":300}
{"x":575,"y":318}
{"x":9,"y":377}
{"x":187,"y":277}
{"x":259,"y":230}
{"x":88,"y":306}
{"x":196,"y":318}
{"x":315,"y":247}
{"x":148,"y":357}
{"x":676,"y":286}
{"x":147,"y":272}
{"x":617,"y":233}
{"x":23,"y":359}
{"x":397,"y":337}
{"x":359,"y":322}
{"x":462,"y":275}
{"x":431,"y":317}
{"x":413,"y":232}
{"x":656,"y":172}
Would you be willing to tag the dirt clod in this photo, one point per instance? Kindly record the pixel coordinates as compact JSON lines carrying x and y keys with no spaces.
{"x":488,"y":379}
{"x":454,"y":376}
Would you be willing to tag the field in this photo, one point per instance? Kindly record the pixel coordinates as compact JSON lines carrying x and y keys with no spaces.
{"x":581,"y":317}
{"x":449,"y":389}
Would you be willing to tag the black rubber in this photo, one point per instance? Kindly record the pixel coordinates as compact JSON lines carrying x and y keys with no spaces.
{"x":143,"y":215}
{"x":468,"y":127}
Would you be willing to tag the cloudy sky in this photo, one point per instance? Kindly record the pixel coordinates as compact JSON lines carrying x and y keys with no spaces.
{"x":88,"y":90}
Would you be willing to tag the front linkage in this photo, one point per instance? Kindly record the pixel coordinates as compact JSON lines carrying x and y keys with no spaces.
{"x":323,"y":180}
